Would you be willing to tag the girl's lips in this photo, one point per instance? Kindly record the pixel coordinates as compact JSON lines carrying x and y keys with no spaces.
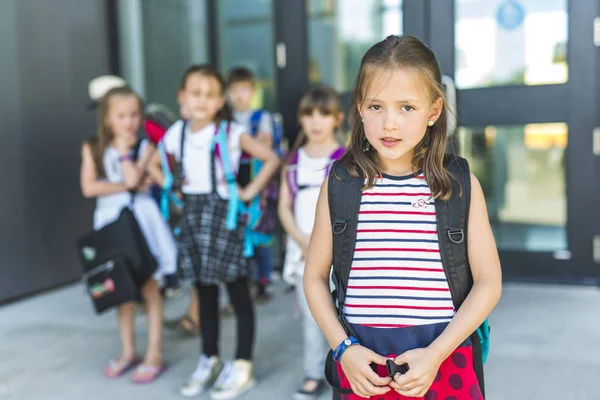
{"x":390,"y":142}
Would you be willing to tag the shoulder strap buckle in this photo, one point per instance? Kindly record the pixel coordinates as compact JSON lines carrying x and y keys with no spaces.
{"x":339,"y":227}
{"x":456,"y":236}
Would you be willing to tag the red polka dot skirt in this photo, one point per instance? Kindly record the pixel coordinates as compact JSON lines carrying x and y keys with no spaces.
{"x":455,"y":380}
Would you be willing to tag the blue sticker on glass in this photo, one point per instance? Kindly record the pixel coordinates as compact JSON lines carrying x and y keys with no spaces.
{"x":510,"y":15}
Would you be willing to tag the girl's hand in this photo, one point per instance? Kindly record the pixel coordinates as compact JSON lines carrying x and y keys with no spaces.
{"x":304,"y":245}
{"x":423,"y":367}
{"x":146,"y":185}
{"x":363,"y":380}
{"x":244,"y":195}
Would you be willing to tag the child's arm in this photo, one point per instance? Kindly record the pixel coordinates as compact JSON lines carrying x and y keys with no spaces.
{"x":485,"y":294}
{"x":356,"y":359}
{"x":265,"y":131}
{"x":265,"y":139}
{"x":132,"y":173}
{"x":286,"y":215}
{"x":270,"y":164}
{"x":90,"y":185}
{"x":155,"y":169}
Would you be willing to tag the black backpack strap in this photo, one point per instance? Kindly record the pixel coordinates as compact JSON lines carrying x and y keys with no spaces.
{"x":344,"y":195}
{"x":452,"y":224}
{"x":344,"y":192}
{"x":135,"y":150}
{"x":178,"y":168}
{"x":182,"y":141}
{"x":452,"y":218}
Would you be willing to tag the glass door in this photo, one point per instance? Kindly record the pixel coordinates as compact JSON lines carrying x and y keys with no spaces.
{"x":339,"y":34}
{"x":524,"y":71}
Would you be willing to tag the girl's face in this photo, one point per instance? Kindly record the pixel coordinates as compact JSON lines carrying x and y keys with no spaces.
{"x":319,"y":127}
{"x":123,"y":115}
{"x":201,"y":98}
{"x":395,"y":112}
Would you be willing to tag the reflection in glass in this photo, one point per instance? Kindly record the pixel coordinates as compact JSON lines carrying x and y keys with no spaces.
{"x":522,"y":173}
{"x":341,"y":31}
{"x":174,"y":38}
{"x":246,"y":39}
{"x":510,"y":42}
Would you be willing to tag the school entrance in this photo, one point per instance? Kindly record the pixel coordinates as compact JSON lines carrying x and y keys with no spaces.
{"x":524,"y":74}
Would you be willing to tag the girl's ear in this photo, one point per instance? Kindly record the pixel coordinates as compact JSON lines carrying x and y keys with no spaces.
{"x":340,"y":119}
{"x":436,"y":109}
{"x":359,"y":108}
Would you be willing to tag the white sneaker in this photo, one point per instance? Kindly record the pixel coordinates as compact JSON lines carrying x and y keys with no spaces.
{"x":204,"y":376}
{"x":235,"y":379}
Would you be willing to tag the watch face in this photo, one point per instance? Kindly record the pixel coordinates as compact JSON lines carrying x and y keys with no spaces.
{"x":348,"y":342}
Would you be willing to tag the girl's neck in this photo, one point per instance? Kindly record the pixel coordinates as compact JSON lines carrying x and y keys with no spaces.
{"x":321,"y":148}
{"x":199,"y":124}
{"x":402,"y":166}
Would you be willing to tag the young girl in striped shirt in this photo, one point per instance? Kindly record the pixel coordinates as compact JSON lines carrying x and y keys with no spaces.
{"x":398,"y":299}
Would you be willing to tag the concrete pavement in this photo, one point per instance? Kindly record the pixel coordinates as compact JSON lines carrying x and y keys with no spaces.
{"x":545,"y":345}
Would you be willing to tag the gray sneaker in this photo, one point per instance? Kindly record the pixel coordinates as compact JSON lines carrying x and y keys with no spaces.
{"x":206,"y":373}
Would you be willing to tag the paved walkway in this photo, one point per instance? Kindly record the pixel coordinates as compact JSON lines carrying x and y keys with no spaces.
{"x":545,"y":345}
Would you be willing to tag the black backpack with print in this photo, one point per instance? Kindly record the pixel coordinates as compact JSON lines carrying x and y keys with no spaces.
{"x":452,"y":217}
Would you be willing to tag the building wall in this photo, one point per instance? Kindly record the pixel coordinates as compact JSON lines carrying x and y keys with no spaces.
{"x":50,"y":51}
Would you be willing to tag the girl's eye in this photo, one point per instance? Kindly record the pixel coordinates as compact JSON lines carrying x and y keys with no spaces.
{"x":408,"y":108}
{"x":375,"y":107}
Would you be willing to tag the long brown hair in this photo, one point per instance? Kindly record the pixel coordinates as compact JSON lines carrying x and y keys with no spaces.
{"x":104,"y":135}
{"x":207,"y":70}
{"x":321,"y":98}
{"x":406,"y":52}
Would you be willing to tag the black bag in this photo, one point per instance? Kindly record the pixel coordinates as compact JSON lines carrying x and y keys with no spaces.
{"x":110,"y":282}
{"x":452,"y":217}
{"x":124,"y":238}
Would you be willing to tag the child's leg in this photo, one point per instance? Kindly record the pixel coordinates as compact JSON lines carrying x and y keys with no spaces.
{"x":315,"y":344}
{"x":125,"y":313}
{"x":154,"y":311}
{"x":264,"y":260}
{"x":208,"y":297}
{"x":128,"y":359}
{"x":194,"y":309}
{"x":244,"y":310}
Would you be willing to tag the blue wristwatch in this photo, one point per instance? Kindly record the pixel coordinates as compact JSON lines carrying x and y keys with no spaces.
{"x":337,"y":353}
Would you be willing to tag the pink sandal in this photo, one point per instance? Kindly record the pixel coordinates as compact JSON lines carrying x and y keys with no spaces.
{"x":151,"y":373}
{"x":116,"y":369}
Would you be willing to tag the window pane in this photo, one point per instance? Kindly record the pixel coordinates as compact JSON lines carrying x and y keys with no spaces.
{"x":174,"y":38}
{"x":511,"y":42}
{"x":522,"y":172}
{"x":246,"y":39}
{"x":341,"y":31}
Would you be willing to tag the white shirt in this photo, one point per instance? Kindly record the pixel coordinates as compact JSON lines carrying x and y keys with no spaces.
{"x":311,"y":172}
{"x":114,"y":173}
{"x":196,"y":160}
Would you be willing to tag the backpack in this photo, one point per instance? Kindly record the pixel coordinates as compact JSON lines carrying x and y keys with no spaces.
{"x":263,"y":208}
{"x":277,"y":129}
{"x":452,"y":220}
{"x":292,"y":170}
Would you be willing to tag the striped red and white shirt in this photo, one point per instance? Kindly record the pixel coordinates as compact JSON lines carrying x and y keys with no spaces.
{"x":397,"y":278}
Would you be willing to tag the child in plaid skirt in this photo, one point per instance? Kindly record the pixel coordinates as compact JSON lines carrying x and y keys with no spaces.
{"x":210,"y":252}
